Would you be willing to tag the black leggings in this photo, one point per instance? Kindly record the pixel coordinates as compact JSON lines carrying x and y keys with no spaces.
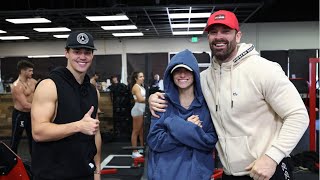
{"x":20,"y":121}
{"x":283,"y":172}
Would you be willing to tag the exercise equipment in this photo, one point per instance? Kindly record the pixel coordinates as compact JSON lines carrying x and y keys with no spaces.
{"x":11,"y":165}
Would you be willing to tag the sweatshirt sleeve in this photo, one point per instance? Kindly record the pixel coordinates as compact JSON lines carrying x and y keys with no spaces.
{"x":190,"y":134}
{"x":285,"y":100}
{"x":159,"y":139}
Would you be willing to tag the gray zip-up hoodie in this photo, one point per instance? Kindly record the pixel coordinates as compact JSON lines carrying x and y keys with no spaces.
{"x":255,"y":108}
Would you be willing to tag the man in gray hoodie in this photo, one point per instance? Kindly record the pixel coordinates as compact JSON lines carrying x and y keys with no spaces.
{"x":258,"y":114}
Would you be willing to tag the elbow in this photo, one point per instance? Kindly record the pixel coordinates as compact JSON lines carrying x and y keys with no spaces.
{"x":37,"y":137}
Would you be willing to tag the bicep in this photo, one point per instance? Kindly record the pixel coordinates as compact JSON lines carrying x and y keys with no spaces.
{"x":44,"y":102}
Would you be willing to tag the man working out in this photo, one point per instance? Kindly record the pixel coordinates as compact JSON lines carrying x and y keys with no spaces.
{"x":22,"y":93}
{"x":258,"y":114}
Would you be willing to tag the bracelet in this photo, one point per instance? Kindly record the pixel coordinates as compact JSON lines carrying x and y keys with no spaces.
{"x":96,"y":172}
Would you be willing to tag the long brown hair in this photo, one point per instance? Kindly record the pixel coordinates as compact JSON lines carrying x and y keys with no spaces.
{"x":134,"y":76}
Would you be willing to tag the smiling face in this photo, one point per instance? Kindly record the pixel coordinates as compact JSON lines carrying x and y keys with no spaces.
{"x":183,"y":78}
{"x":79,"y":60}
{"x":140,"y":78}
{"x":223,"y":42}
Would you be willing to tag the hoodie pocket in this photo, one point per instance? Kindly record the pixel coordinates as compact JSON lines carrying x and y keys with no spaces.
{"x":238,"y":154}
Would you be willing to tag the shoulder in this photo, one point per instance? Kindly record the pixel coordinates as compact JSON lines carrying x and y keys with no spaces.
{"x":46,"y":84}
{"x":46,"y":89}
{"x":135,"y":87}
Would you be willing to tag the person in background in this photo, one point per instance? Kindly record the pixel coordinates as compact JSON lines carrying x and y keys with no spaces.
{"x":65,"y":125}
{"x":157,"y":82}
{"x":113,"y":86}
{"x":93,"y":80}
{"x":22,"y":91}
{"x":139,"y":95}
{"x":182,"y":141}
{"x":258,"y":113}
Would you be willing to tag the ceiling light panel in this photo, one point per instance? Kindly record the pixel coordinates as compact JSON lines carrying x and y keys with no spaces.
{"x":127,"y":34}
{"x":28,"y":20}
{"x":58,"y":29}
{"x":189,"y":15}
{"x":1,"y":31}
{"x":61,"y":36}
{"x":194,"y":25}
{"x":108,"y":18}
{"x":13,"y":37}
{"x":122,"y":27}
{"x":187,"y":32}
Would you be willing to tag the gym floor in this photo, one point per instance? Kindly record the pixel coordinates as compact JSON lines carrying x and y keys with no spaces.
{"x":133,"y":173}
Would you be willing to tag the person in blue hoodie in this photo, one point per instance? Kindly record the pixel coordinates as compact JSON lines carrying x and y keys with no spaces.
{"x":182,"y":140}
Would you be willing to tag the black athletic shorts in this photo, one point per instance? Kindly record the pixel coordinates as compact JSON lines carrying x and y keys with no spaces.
{"x":283,"y":172}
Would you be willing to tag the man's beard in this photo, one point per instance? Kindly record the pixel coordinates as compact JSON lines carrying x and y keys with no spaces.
{"x":223,"y":55}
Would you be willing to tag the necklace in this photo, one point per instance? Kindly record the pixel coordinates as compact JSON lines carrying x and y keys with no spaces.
{"x":25,"y":86}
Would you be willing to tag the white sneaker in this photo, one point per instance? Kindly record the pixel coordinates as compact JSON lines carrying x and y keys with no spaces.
{"x":136,"y":154}
{"x":140,"y":151}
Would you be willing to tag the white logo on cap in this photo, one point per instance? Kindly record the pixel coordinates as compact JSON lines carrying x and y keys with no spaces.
{"x":219,"y":17}
{"x":82,"y":38}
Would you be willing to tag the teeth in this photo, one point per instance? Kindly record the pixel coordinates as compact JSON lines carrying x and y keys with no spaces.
{"x":220,"y":45}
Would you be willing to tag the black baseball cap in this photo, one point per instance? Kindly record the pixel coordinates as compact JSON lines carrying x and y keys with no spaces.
{"x":80,"y":39}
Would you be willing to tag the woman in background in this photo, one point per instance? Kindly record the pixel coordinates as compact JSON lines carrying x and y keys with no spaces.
{"x":139,"y":94}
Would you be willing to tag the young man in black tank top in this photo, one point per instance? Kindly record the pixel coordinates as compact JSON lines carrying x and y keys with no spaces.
{"x":65,"y":125}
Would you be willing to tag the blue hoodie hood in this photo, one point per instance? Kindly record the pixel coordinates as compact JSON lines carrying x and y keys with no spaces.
{"x":187,"y":58}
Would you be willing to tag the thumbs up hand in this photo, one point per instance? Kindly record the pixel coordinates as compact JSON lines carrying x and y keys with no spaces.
{"x":89,"y":125}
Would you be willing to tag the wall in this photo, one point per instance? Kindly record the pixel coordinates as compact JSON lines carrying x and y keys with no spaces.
{"x":265,"y":36}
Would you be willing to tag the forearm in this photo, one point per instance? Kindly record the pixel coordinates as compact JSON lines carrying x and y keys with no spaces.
{"x":158,"y":139}
{"x":47,"y":131}
{"x":97,"y":157}
{"x":191,"y":135}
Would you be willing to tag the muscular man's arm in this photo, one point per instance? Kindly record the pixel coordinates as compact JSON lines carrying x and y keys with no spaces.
{"x":18,"y":94}
{"x":43,"y":112}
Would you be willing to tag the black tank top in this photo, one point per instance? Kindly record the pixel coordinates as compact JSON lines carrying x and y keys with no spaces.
{"x":72,"y":156}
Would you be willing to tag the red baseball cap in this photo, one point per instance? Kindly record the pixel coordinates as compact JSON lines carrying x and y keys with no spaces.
{"x":223,"y":17}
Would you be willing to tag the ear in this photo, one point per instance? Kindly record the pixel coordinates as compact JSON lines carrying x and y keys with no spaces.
{"x":238,"y":36}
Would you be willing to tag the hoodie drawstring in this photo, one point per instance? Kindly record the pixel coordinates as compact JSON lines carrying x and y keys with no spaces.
{"x":231,"y":84}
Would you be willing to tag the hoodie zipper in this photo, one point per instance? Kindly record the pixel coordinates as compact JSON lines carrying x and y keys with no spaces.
{"x":218,"y":110}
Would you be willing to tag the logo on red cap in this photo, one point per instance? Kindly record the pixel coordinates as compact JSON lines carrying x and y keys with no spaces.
{"x":223,"y":17}
{"x":219,"y":17}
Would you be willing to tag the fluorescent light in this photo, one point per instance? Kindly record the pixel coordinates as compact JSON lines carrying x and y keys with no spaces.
{"x":189,"y":15}
{"x":13,"y":37}
{"x":58,"y":29}
{"x":187,"y":32}
{"x":123,"y":27}
{"x":61,"y":36}
{"x":45,"y":56}
{"x":127,"y":34}
{"x":3,"y":31}
{"x":194,"y":25}
{"x":108,"y":18}
{"x":28,"y":20}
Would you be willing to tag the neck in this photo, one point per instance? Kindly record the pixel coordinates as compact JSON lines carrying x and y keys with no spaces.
{"x":78,"y":76}
{"x":22,"y":78}
{"x":186,"y":96}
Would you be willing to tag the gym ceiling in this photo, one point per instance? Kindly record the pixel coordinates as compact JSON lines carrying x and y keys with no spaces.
{"x":149,"y":16}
